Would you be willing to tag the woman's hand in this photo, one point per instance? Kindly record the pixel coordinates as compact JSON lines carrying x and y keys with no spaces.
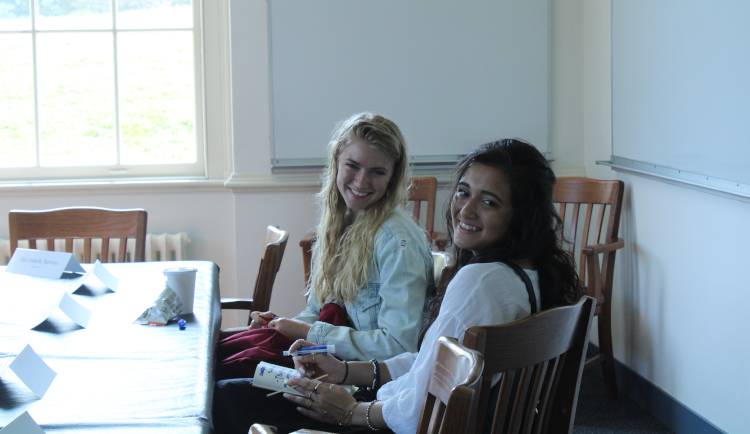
{"x":260,"y":319}
{"x":310,"y":366}
{"x":323,"y":402}
{"x":291,"y":327}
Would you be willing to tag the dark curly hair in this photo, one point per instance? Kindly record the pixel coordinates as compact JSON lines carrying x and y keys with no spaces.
{"x":535,"y":228}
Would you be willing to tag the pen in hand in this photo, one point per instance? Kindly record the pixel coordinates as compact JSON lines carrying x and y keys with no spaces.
{"x":320,"y":349}
{"x":292,"y":387}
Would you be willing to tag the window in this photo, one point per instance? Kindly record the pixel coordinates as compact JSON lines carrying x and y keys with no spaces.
{"x":100,"y":89}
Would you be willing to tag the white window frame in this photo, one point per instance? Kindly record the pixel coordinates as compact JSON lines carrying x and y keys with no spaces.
{"x":213,"y":133}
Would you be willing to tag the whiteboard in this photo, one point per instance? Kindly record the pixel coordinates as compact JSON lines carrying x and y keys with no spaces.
{"x":451,"y":74}
{"x":681,"y":88}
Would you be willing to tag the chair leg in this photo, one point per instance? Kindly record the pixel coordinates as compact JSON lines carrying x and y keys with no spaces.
{"x":605,"y":348}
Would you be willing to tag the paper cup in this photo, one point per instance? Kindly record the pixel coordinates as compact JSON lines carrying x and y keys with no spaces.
{"x":182,"y":281}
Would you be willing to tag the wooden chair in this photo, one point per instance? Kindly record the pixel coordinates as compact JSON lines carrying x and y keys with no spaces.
{"x":270,"y":262}
{"x":420,"y":190}
{"x":424,"y":189}
{"x":544,"y":353}
{"x":446,"y":408}
{"x":81,"y":223}
{"x":442,"y":262}
{"x":449,"y":394}
{"x":594,"y":246}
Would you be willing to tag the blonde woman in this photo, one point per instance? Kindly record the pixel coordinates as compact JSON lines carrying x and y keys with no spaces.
{"x":370,"y":257}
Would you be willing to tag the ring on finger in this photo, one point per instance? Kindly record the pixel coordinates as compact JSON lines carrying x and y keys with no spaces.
{"x":330,"y":385}
{"x":310,"y":395}
{"x":311,"y":403}
{"x":316,"y":387}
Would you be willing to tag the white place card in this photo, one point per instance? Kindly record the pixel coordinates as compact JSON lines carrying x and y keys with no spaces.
{"x":41,"y":263}
{"x":31,"y":369}
{"x":75,"y":310}
{"x":23,"y":424}
{"x":13,"y":339}
{"x":108,"y":279}
{"x":27,"y":301}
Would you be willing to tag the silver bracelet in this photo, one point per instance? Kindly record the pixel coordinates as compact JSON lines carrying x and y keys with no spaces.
{"x":367,"y":416}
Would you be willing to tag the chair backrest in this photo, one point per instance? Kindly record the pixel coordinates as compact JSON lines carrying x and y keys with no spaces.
{"x":590,"y":200}
{"x":270,"y":262}
{"x":447,"y":406}
{"x":541,"y":359}
{"x":423,"y":190}
{"x":81,"y":223}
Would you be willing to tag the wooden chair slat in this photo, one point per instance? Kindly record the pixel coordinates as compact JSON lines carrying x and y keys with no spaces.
{"x":122,"y":248}
{"x":87,"y":250}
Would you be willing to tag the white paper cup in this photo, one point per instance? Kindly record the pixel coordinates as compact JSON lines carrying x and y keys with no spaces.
{"x":182,"y":281}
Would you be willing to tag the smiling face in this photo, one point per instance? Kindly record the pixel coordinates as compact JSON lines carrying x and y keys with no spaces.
{"x":363,"y":174}
{"x":481,"y":209}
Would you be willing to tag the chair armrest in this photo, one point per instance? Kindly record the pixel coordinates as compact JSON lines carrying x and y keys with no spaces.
{"x":237,"y":303}
{"x":440,"y":239}
{"x":595,"y":249}
{"x":307,"y":241}
{"x":593,"y":267}
{"x":306,"y":244}
{"x":258,"y":428}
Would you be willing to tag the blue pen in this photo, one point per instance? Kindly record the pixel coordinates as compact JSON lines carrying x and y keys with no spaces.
{"x":320,"y":349}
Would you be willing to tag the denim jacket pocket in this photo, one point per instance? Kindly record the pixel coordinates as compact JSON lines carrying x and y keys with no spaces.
{"x":367,"y":306}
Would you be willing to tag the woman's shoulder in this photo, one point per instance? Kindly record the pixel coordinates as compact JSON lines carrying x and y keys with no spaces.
{"x":487,"y":293}
{"x":399,"y":222}
{"x":492,"y":276}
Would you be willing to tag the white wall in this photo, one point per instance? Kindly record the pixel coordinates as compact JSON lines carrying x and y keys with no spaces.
{"x":206,"y":214}
{"x":681,"y":291}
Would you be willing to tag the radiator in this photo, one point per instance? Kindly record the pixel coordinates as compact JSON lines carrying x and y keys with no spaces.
{"x":159,"y":247}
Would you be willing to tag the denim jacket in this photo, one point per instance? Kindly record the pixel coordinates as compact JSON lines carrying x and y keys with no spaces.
{"x":389,"y":311}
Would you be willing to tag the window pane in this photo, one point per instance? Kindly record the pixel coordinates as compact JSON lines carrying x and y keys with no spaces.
{"x":157,"y":97}
{"x":17,"y":142}
{"x":15,"y":15}
{"x":154,"y":14}
{"x":76,"y":98}
{"x":73,"y":14}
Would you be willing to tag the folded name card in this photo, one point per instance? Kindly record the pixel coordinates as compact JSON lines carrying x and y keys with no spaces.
{"x":41,"y":263}
{"x":23,"y":424}
{"x":31,"y":369}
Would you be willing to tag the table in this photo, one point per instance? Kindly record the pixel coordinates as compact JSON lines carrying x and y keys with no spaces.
{"x":127,"y":378}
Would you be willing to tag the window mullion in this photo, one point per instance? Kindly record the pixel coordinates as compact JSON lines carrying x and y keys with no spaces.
{"x":117,"y":81}
{"x":37,"y":127}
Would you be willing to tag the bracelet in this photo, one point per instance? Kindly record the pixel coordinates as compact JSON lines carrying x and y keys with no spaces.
{"x":376,"y":371}
{"x":346,"y":375}
{"x":367,"y":416}
{"x":347,"y":419}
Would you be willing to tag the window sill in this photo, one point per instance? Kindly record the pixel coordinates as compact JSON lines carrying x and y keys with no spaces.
{"x":109,"y":186}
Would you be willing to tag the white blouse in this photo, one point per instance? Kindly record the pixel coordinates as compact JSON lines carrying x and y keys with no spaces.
{"x":479,"y":294}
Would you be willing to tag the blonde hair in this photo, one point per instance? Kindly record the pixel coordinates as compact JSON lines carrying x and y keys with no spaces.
{"x":345,"y":240}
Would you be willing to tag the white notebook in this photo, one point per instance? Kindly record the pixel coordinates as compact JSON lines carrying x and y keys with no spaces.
{"x":274,"y":377}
